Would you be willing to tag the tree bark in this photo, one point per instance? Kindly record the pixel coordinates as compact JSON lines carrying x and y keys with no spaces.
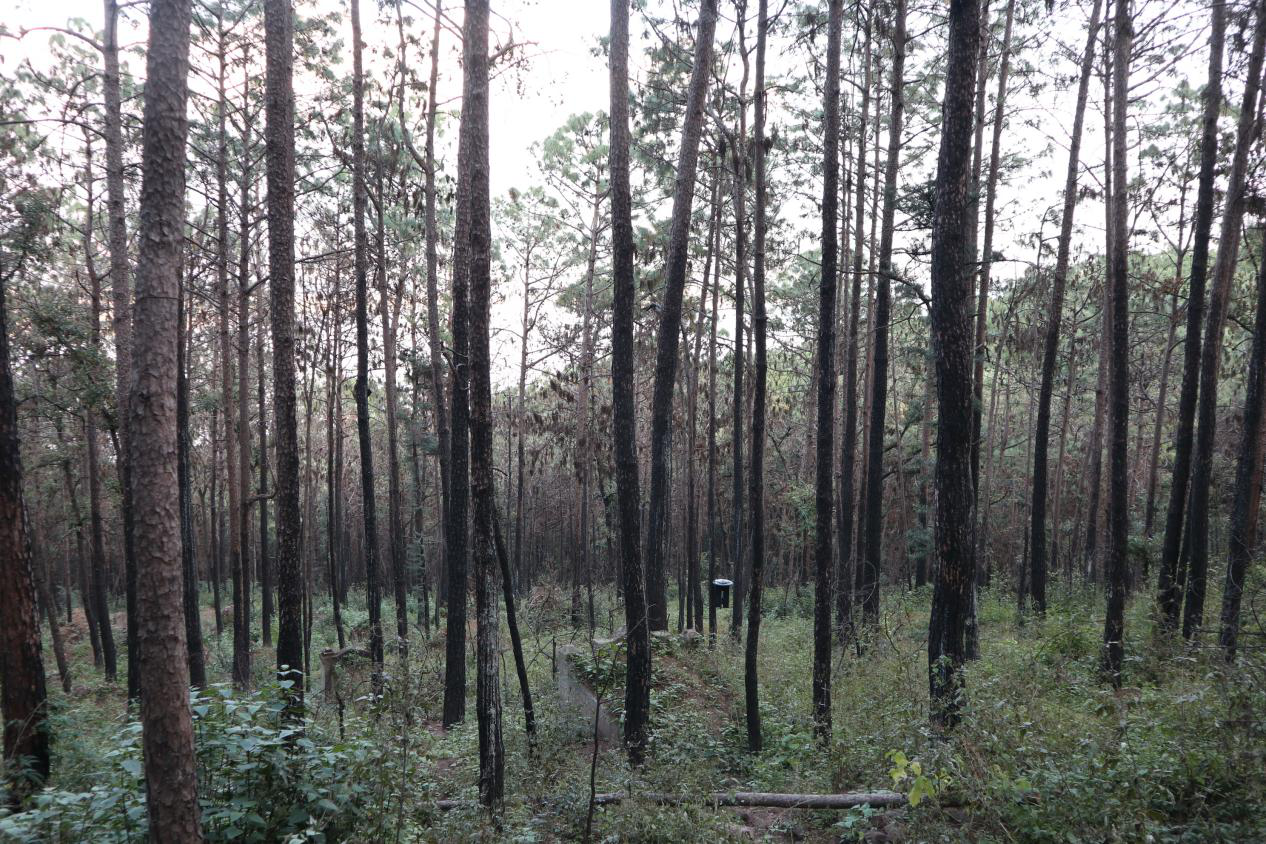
{"x":1211,"y":353}
{"x":121,"y":296}
{"x":825,"y":354}
{"x":666,"y":351}
{"x":388,"y":313}
{"x":361,"y":257}
{"x":869,"y":598}
{"x":1115,"y":574}
{"x":473,"y":148}
{"x":188,"y":563}
{"x":265,"y":561}
{"x":233,"y":482}
{"x":23,"y":696}
{"x":756,"y":488}
{"x":848,"y":458}
{"x":167,"y":726}
{"x":623,"y":408}
{"x":951,"y":312}
{"x":1245,"y":509}
{"x":1169,"y":586}
{"x":280,"y":174}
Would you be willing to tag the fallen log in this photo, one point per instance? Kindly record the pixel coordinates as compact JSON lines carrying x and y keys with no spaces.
{"x":760,"y":799}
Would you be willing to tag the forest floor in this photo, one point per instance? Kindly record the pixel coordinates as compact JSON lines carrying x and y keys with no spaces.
{"x":1046,"y":750}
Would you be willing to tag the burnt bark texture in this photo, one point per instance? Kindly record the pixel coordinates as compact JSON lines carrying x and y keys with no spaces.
{"x":952,"y":341}
{"x":1115,"y":572}
{"x":1215,"y":324}
{"x":756,"y":477}
{"x":360,"y":202}
{"x":666,"y":350}
{"x":869,"y":582}
{"x":473,"y":141}
{"x":637,"y":698}
{"x":1169,"y":585}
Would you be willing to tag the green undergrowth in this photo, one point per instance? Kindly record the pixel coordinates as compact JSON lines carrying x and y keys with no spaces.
{"x":1046,"y":750}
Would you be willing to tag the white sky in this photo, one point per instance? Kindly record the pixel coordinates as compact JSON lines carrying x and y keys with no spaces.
{"x":565,"y":78}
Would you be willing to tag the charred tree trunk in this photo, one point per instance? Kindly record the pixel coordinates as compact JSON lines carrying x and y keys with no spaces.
{"x":188,"y":563}
{"x":952,"y":274}
{"x":361,"y":257}
{"x":666,"y":351}
{"x":1170,"y":586}
{"x":1211,"y":353}
{"x":623,"y":408}
{"x":848,"y":449}
{"x":434,"y":339}
{"x":1115,"y":574}
{"x":869,"y":599}
{"x":473,"y":148}
{"x":756,"y":489}
{"x":825,"y":353}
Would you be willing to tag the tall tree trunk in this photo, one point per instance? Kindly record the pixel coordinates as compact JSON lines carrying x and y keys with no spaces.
{"x":332,"y":477}
{"x":848,"y":450}
{"x":241,"y":645}
{"x":520,"y":418}
{"x":243,"y":406}
{"x":825,"y":354}
{"x":474,"y":205}
{"x":623,"y":409}
{"x":1050,"y":348}
{"x":213,"y":526}
{"x":1211,"y":353}
{"x":388,"y":312}
{"x":1245,"y":509}
{"x":1115,"y":573}
{"x":985,"y":263}
{"x":756,"y":488}
{"x":737,"y":147}
{"x":95,"y":605}
{"x":712,"y":426}
{"x":584,"y":434}
{"x":869,"y":598}
{"x":23,"y":696}
{"x":280,"y":156}
{"x":1170,"y":586}
{"x":167,"y":725}
{"x":695,"y":596}
{"x":265,"y":561}
{"x":456,"y":529}
{"x":666,"y":351}
{"x":361,"y":257}
{"x":121,"y":297}
{"x":188,"y":563}
{"x":952,"y":274}
{"x":434,"y":341}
